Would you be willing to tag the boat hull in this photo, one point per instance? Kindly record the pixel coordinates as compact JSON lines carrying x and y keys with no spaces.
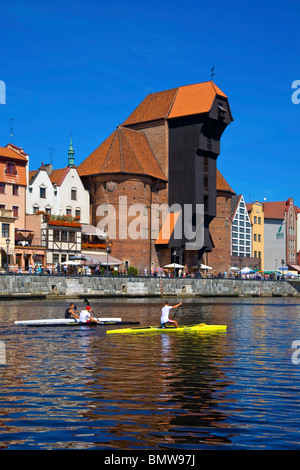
{"x":200,"y":328}
{"x":73,"y":322}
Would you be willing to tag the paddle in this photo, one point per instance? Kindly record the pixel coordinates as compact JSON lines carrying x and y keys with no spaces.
{"x":176,"y":310}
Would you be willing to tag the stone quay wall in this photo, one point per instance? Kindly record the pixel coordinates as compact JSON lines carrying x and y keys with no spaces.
{"x":14,"y":286}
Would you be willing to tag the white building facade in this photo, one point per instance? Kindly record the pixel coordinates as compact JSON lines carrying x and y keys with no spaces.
{"x":241,"y":229}
{"x":58,"y":192}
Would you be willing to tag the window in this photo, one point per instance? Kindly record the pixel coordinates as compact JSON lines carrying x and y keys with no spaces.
{"x":55,"y":258}
{"x":15,"y":190}
{"x":56,"y":235}
{"x":48,"y":210}
{"x":205,"y":164}
{"x":255,"y":219}
{"x":15,"y":211}
{"x":64,"y":235}
{"x":2,"y":206}
{"x":43,"y":193}
{"x":259,"y":220}
{"x":2,"y":188}
{"x":205,"y":182}
{"x":74,"y":194}
{"x":35,"y":209}
{"x":255,"y":236}
{"x":11,"y":168}
{"x":5,"y":230}
{"x":77,"y":213}
{"x":72,"y":237}
{"x":259,"y":238}
{"x":68,"y":211}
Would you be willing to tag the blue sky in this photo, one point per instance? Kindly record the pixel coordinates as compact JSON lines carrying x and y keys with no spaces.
{"x":82,"y":67}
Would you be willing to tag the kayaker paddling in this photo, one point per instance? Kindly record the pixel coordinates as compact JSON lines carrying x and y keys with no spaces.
{"x":71,"y":311}
{"x":85,"y":315}
{"x":164,"y":319}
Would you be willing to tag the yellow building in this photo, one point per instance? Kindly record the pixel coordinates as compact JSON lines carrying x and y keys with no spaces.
{"x":256,"y":215}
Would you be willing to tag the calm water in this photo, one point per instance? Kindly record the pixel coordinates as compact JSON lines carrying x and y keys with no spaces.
{"x":78,"y":388}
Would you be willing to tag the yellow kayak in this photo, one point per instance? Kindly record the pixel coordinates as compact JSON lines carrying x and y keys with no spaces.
{"x":202,"y":327}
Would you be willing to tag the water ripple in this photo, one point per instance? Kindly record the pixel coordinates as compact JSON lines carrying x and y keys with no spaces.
{"x":79,"y":388}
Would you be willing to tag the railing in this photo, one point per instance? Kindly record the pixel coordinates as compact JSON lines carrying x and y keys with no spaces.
{"x":37,"y":242}
{"x":6,"y":213}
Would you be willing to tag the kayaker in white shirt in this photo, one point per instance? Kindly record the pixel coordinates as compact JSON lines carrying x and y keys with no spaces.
{"x":165,"y":314}
{"x":85,"y":315}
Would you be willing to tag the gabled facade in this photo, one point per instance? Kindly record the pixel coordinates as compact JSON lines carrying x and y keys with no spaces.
{"x":40,"y":191}
{"x":242,"y":237}
{"x":280,"y":233}
{"x":13,"y":181}
{"x":256,"y":215}
{"x":58,"y":192}
{"x":62,"y":240}
{"x":241,"y":229}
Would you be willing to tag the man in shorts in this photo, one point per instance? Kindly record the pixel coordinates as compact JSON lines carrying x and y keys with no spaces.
{"x":165,"y":314}
{"x":85,"y":315}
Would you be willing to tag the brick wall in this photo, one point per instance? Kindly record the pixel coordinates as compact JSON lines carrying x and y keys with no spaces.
{"x":128,"y":230}
{"x":220,"y":228}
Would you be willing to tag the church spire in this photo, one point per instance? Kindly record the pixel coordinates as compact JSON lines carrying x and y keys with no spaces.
{"x":71,"y":153}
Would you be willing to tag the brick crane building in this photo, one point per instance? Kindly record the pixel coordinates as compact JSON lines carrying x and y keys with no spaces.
{"x":165,"y":152}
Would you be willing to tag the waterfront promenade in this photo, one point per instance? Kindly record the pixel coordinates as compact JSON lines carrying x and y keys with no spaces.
{"x":52,"y":286}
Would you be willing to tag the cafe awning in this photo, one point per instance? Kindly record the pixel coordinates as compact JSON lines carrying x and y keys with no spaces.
{"x":101,"y":259}
{"x":203,"y":266}
{"x":296,"y":267}
{"x":8,"y":250}
{"x":173,"y":265}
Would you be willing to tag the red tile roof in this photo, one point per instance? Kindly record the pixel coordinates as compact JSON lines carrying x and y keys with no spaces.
{"x":177,"y":102}
{"x":154,"y":107}
{"x":125,"y":151}
{"x":9,"y":153}
{"x":222,"y":184}
{"x":57,"y":176}
{"x":194,"y":99}
{"x":274,"y":209}
{"x":20,"y":160}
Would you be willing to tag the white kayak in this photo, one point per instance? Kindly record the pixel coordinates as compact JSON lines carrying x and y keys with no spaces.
{"x":65,"y":321}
